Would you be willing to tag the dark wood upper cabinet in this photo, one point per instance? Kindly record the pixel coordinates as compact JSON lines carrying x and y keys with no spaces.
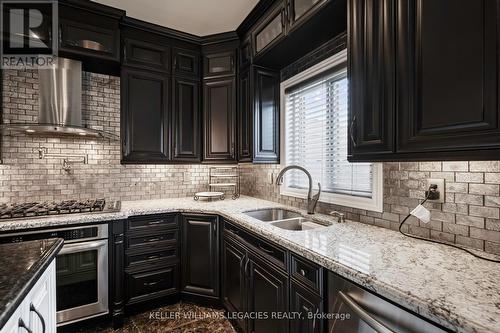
{"x":270,"y":30}
{"x":423,"y":78}
{"x":447,"y":76}
{"x":186,"y":120}
{"x":371,"y":78}
{"x":186,"y":63}
{"x":219,"y":64}
{"x":245,"y":110}
{"x":266,"y":116}
{"x":200,"y":255}
{"x":299,"y":11}
{"x":146,"y":55}
{"x":89,"y":30}
{"x":145,"y":116}
{"x":219,"y":110}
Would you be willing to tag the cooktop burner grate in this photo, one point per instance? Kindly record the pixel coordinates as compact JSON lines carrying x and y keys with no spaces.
{"x":35,"y":209}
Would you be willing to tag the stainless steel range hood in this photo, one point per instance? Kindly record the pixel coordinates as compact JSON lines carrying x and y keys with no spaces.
{"x":60,"y":104}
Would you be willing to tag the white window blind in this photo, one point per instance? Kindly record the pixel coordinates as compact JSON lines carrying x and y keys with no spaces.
{"x":316,"y":137}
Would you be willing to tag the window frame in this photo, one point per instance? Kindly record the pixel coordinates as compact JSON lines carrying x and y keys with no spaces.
{"x":375,"y":203}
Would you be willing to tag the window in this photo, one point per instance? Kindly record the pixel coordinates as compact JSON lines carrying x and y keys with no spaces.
{"x":314,"y":114}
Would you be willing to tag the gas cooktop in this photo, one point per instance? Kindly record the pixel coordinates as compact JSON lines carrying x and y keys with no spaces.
{"x":49,"y":208}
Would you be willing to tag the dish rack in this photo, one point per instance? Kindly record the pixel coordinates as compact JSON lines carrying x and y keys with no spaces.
{"x":225,"y":179}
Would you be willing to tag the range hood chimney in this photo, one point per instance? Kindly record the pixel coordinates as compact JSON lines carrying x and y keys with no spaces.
{"x":60,"y":104}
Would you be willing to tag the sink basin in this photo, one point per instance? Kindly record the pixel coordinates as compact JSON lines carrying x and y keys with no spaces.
{"x":297,"y":224}
{"x":273,"y":214}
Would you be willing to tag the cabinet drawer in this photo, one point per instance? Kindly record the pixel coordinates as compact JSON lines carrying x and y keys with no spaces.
{"x":146,"y":55}
{"x":152,"y":258}
{"x":276,"y":254}
{"x":146,"y":285}
{"x":141,"y":223}
{"x":158,"y":240}
{"x":306,"y":272}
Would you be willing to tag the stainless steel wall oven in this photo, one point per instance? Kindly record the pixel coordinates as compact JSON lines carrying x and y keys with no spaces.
{"x":81,"y":270}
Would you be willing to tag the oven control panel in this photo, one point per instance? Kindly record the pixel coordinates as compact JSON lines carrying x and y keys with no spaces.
{"x":66,"y":234}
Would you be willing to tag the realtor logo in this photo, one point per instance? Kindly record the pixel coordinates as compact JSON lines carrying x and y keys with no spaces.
{"x":29,"y":33}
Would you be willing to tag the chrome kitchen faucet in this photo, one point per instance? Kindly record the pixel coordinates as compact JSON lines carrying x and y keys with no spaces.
{"x":311,"y":200}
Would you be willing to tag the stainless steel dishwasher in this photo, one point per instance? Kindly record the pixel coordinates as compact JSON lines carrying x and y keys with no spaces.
{"x":355,"y":310}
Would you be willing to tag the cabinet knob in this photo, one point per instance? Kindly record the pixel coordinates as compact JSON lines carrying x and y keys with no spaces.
{"x":302,"y":272}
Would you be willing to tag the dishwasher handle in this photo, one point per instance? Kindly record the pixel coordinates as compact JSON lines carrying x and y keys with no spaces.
{"x":363,"y":315}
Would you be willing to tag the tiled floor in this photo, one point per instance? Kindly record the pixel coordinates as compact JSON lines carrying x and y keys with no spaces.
{"x":178,"y":318}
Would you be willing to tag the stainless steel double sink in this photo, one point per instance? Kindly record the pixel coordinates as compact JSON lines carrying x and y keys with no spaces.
{"x":284,"y":219}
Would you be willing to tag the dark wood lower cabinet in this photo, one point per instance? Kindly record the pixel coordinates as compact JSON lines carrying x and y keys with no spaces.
{"x":260,"y":292}
{"x":142,"y":286}
{"x":309,"y":305}
{"x":200,"y":255}
{"x":234,"y":289}
{"x":268,"y":294}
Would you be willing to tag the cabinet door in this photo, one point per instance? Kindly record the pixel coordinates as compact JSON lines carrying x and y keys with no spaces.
{"x":370,"y":76}
{"x":270,"y":30}
{"x":219,"y":120}
{"x":89,"y":39}
{"x":266,"y":116}
{"x":300,"y":11}
{"x":41,"y":302}
{"x":245,"y":110}
{"x":186,"y":120}
{"x":186,"y":63}
{"x":218,"y":64}
{"x":145,"y":116}
{"x":447,"y":75}
{"x":233,"y":277}
{"x":309,"y":305}
{"x":200,"y":255}
{"x":267,"y":293}
{"x":146,"y":55}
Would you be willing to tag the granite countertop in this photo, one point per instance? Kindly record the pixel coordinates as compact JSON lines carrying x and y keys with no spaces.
{"x":21,"y":265}
{"x":443,"y":284}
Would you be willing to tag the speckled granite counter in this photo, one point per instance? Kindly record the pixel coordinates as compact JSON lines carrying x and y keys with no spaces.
{"x":443,"y":284}
{"x":21,"y":265}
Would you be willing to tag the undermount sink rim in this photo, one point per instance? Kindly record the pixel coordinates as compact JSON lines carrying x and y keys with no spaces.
{"x":293,"y":217}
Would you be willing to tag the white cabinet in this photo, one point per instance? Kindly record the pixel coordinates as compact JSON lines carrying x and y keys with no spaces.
{"x":37,"y":312}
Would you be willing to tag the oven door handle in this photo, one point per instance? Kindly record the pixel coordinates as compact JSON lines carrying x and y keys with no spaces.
{"x":85,"y":246}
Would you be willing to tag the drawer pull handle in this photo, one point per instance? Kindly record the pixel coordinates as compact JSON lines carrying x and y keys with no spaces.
{"x":21,"y":324}
{"x":305,"y":308}
{"x":154,"y":257}
{"x":265,"y":250}
{"x":149,"y":284}
{"x":302,"y":272}
{"x":154,"y":239}
{"x":155,"y":222}
{"x":42,"y":320}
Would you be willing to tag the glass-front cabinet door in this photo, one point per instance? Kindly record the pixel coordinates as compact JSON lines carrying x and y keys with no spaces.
{"x":270,"y":30}
{"x":300,"y":10}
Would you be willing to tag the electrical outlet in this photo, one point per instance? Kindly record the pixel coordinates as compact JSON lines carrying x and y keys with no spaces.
{"x":440,"y":189}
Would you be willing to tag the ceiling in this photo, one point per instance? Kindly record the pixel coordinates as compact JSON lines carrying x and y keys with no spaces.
{"x":198,"y":17}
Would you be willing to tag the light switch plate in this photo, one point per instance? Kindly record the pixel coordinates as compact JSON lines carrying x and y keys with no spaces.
{"x":440,"y":187}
